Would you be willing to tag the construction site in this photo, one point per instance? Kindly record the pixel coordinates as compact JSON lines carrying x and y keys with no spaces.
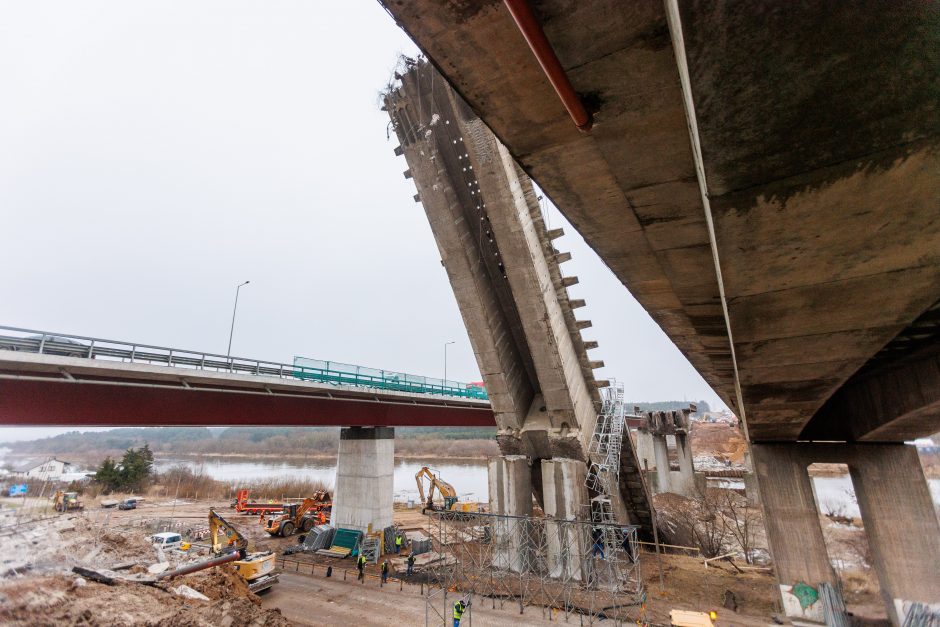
{"x":751,"y":191}
{"x":244,"y":561}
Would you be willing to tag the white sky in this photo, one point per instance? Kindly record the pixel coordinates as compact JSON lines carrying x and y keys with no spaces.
{"x":155,"y":154}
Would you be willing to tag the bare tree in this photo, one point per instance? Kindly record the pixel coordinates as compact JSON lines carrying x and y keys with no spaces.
{"x":740,"y":521}
{"x":707,"y":524}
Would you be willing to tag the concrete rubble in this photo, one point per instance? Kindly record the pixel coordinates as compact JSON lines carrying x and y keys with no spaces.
{"x":38,"y":586}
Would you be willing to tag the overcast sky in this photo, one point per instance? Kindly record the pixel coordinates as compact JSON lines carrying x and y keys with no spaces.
{"x":153,"y":155}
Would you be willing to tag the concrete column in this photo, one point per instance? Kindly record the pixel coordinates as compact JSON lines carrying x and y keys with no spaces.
{"x":510,"y":482}
{"x":564,"y":493}
{"x":661,"y":451}
{"x":644,"y":448}
{"x":686,"y":467}
{"x":791,"y":519}
{"x":901,"y":524}
{"x":364,"y":478}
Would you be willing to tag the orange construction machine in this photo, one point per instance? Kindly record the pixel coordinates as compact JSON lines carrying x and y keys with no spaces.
{"x":243,"y":506}
{"x":312,"y":511}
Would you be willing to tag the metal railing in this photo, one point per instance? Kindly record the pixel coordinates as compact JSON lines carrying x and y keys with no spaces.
{"x":67,"y":345}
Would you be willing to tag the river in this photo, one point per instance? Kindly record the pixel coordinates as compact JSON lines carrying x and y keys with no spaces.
{"x":469,"y":478}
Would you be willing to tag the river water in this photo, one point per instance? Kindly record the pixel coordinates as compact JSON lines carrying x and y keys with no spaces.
{"x":469,"y":478}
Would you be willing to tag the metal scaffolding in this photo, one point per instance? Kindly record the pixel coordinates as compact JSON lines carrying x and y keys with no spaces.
{"x":565,"y":569}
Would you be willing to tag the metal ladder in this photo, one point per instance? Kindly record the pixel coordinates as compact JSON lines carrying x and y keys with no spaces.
{"x":603,"y":474}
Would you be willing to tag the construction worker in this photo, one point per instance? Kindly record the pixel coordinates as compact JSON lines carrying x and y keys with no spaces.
{"x":385,"y":572}
{"x":261,"y":518}
{"x":598,"y":537}
{"x":398,"y":540}
{"x":411,"y":564}
{"x":459,"y":608}
{"x":361,"y":566}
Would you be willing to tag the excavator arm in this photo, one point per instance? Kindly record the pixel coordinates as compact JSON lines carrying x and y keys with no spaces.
{"x":447,"y":491}
{"x":225,"y":537}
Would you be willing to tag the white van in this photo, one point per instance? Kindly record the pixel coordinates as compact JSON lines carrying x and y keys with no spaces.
{"x":168,"y":541}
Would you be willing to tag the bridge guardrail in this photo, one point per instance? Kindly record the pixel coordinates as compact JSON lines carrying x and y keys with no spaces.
{"x":68,"y":345}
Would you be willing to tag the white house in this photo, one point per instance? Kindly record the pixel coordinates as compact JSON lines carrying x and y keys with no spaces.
{"x":50,"y":470}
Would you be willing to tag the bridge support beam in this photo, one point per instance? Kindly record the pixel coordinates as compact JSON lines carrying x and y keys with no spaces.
{"x":510,"y":483}
{"x":896,"y":508}
{"x":364,"y":478}
{"x":661,"y":451}
{"x":563,"y":497}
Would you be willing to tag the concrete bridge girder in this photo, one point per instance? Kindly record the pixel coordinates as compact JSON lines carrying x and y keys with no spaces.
{"x":504,"y":270}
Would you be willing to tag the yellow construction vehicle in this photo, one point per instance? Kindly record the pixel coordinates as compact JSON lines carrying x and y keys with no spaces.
{"x":255,"y":568}
{"x":67,"y":501}
{"x":448,"y":493}
{"x":303,"y":516}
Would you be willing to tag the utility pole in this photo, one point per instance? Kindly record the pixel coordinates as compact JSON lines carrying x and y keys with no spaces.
{"x":234,"y":309}
{"x":445,"y":365}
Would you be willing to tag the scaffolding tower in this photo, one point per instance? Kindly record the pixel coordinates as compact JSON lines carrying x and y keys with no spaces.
{"x":526,"y":563}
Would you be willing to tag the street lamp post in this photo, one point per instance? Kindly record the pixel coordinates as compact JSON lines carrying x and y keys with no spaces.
{"x":445,"y":365}
{"x":234,"y":309}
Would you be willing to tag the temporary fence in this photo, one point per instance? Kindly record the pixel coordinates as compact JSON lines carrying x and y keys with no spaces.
{"x":565,"y":569}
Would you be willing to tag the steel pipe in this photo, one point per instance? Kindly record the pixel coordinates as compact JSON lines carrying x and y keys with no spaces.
{"x":544,"y":53}
{"x":192,"y":568}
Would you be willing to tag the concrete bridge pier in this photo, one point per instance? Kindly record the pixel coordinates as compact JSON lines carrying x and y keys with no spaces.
{"x":510,"y":483}
{"x":661,"y":452}
{"x":563,"y":496}
{"x":897,"y":512}
{"x":364,"y":478}
{"x":653,"y":440}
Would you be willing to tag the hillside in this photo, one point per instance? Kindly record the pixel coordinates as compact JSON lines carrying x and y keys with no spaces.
{"x":232,"y":440}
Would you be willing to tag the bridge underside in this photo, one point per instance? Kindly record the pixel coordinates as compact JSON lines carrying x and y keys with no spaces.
{"x":815,"y":136}
{"x":763,"y":178}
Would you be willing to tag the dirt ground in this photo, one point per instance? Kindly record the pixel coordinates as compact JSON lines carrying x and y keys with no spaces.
{"x":720,"y":440}
{"x":38,"y":587}
{"x":316,"y":600}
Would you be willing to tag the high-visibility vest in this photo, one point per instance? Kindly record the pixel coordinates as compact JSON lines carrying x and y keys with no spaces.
{"x":458,"y":610}
{"x":362,"y":560}
{"x":397,"y":540}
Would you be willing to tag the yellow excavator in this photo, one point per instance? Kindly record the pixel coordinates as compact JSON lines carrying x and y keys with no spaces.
{"x":67,"y":502}
{"x":255,"y":568}
{"x":448,"y":493}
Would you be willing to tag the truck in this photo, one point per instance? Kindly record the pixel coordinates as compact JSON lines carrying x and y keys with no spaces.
{"x":303,"y":516}
{"x":256,"y":568}
{"x":243,"y":506}
{"x":67,"y":502}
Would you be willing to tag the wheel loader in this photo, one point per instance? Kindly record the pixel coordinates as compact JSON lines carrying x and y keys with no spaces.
{"x":300,"y":516}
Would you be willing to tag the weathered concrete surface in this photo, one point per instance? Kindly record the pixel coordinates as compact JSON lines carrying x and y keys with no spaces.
{"x":365,"y":469}
{"x":897,"y":512}
{"x":503,"y":268}
{"x":564,"y":493}
{"x":506,"y":276}
{"x":818,"y":128}
{"x":510,"y":484}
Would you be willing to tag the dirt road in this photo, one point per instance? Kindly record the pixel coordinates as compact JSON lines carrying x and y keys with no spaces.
{"x":317,"y":600}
